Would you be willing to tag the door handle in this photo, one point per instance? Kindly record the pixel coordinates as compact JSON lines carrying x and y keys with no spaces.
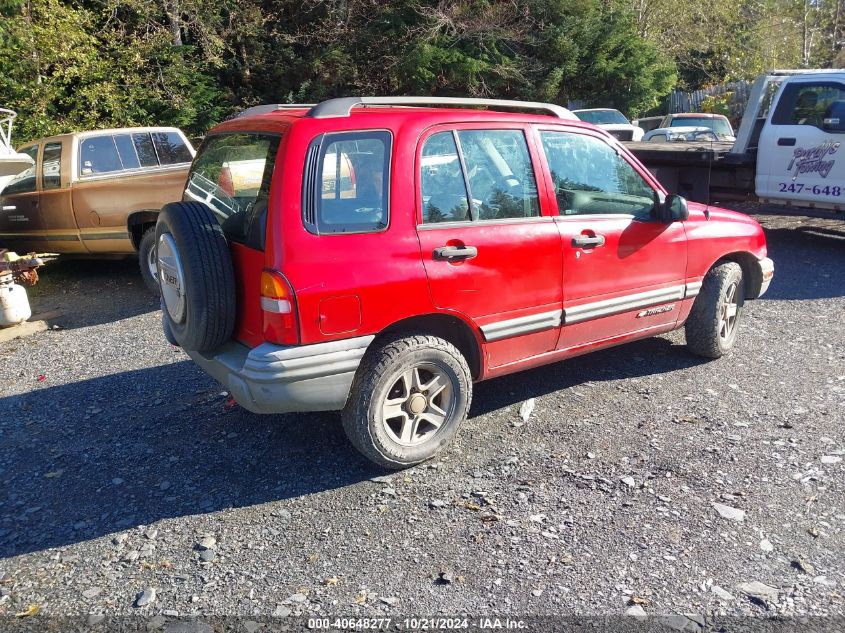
{"x":786,"y":142}
{"x":588,"y":241}
{"x":33,"y":203}
{"x":452,"y":253}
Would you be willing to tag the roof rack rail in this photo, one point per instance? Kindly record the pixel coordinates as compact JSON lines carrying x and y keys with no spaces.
{"x":342,"y":106}
{"x":272,"y":107}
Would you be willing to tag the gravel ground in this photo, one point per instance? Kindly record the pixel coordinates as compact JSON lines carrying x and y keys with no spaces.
{"x":127,"y":477}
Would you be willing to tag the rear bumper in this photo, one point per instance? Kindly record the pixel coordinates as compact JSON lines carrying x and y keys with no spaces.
{"x":767,"y":271}
{"x":276,"y":379}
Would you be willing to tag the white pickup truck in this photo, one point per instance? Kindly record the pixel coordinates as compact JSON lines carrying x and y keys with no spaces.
{"x":788,"y":149}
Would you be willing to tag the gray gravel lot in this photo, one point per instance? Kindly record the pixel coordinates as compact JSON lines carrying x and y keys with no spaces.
{"x":125,"y":469}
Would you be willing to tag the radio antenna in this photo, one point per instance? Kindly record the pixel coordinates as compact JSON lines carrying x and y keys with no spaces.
{"x":709,"y":176}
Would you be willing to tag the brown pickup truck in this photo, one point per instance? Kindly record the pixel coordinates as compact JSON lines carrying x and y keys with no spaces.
{"x":96,"y":193}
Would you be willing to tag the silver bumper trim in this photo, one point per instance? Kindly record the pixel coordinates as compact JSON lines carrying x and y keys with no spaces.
{"x":279,"y":379}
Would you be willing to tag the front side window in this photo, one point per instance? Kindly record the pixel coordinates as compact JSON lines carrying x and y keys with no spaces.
{"x":51,"y":166}
{"x":808,"y":103}
{"x":24,"y":182}
{"x":232,"y":174}
{"x":590,"y":178}
{"x":477,"y":175}
{"x":346,"y":183}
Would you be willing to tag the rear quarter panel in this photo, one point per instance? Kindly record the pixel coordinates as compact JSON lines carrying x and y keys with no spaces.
{"x":378,"y":274}
{"x":102,"y":204}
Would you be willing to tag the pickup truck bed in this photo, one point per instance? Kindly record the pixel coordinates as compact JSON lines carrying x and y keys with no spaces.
{"x":699,"y":171}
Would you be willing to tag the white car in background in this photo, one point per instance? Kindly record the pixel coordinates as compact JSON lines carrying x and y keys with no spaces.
{"x":717,"y":123}
{"x":613,"y":121}
{"x":684,"y":133}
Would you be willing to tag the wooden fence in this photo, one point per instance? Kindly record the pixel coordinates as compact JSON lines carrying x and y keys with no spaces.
{"x":691,"y":101}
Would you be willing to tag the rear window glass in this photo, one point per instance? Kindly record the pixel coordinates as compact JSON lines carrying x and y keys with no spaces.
{"x":346,"y":183}
{"x":231,"y":174}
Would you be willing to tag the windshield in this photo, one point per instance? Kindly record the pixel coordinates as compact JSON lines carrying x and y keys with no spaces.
{"x":719,"y":126}
{"x":602,"y":117}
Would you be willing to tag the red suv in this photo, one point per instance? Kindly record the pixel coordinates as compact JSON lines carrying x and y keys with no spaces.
{"x":379,"y":255}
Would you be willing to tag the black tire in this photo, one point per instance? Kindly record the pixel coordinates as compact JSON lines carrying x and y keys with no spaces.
{"x":704,"y":327}
{"x":146,"y":248}
{"x":380,"y":368}
{"x":165,"y":326}
{"x":207,"y":316}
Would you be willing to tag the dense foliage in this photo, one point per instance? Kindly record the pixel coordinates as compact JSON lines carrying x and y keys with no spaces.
{"x":79,"y":64}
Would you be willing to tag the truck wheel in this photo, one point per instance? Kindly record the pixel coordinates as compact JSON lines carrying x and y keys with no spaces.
{"x":409,"y":396}
{"x":714,"y":319}
{"x":147,"y":260}
{"x":196,"y":276}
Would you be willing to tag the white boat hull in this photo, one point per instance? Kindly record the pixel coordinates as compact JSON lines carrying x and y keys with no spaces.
{"x":13,"y":164}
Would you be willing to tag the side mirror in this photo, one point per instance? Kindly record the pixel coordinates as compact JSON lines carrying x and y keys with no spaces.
{"x":674,"y":209}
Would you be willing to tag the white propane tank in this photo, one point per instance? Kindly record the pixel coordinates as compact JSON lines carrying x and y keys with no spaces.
{"x":14,"y":305}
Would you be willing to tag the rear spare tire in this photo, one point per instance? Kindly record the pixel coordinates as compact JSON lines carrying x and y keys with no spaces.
{"x":195,"y":275}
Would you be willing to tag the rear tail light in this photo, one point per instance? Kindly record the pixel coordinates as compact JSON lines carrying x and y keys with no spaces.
{"x":278,"y":305}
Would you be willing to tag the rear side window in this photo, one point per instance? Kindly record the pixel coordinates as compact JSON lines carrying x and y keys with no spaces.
{"x":444,"y":191}
{"x":98,"y":155}
{"x":232,"y":174}
{"x":477,"y":175}
{"x":143,"y":143}
{"x":24,"y":182}
{"x":51,"y":166}
{"x":346,"y":183}
{"x":171,"y":149}
{"x":126,"y":152}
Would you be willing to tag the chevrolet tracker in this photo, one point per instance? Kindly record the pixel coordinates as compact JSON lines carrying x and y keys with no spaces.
{"x":379,"y":255}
